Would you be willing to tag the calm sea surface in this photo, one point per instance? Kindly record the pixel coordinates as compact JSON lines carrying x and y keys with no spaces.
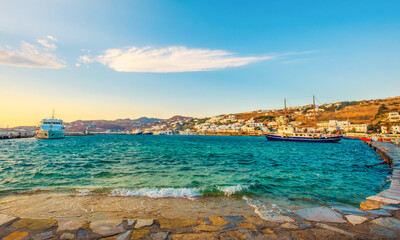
{"x":193,"y":166}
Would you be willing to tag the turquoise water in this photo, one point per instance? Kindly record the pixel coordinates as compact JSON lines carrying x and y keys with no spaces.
{"x":191,"y":166}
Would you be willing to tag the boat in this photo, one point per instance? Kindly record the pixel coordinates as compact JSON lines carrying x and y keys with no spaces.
{"x":51,"y":128}
{"x":365,"y":139}
{"x":136,"y":132}
{"x":289,"y":133}
{"x":147,"y":132}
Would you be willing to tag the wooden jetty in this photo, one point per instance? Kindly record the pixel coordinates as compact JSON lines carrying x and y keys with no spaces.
{"x":391,"y":155}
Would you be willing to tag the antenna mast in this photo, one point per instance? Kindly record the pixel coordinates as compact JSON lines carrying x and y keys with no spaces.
{"x":285,"y":114}
{"x":315,"y":117}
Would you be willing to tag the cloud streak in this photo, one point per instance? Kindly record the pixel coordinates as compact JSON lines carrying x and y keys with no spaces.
{"x":32,"y":56}
{"x":170,"y":59}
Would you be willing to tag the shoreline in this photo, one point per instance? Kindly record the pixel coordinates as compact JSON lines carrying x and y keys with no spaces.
{"x":66,"y":216}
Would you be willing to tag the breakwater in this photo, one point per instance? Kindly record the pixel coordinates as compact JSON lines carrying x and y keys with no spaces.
{"x":390,"y":153}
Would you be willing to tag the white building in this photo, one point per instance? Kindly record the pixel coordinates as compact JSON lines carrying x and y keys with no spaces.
{"x":393,"y":129}
{"x":394,"y":117}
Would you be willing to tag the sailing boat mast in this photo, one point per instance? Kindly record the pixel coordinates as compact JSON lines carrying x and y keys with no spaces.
{"x":285,"y":114}
{"x":53,"y":114}
{"x":315,"y":117}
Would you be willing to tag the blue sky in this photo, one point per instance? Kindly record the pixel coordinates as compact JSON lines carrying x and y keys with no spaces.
{"x":119,"y":59}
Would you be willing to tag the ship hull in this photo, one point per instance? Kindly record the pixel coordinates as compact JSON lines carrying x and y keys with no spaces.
{"x":50,"y":134}
{"x":333,"y":139}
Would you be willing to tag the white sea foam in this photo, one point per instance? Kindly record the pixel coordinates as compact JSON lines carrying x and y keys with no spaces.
{"x":229,"y":190}
{"x":83,"y":192}
{"x":269,"y":212}
{"x":158,"y":192}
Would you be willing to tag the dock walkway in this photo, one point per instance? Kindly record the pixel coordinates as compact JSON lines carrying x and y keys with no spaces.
{"x":390,"y":153}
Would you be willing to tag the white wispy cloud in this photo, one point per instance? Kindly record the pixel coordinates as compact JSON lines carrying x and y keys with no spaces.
{"x":171,"y":59}
{"x":85,"y":59}
{"x":32,"y":56}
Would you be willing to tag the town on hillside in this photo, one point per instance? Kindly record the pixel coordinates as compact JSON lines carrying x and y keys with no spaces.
{"x":352,"y":118}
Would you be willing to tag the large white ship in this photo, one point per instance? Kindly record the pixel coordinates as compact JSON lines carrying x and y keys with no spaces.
{"x":51,"y":129}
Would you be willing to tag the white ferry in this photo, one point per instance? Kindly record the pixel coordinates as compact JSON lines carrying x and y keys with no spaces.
{"x":51,"y":129}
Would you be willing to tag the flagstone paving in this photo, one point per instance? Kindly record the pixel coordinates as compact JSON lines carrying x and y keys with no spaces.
{"x":215,"y":227}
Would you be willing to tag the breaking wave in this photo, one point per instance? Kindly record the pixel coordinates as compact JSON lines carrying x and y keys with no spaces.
{"x":157,"y":192}
{"x":180,"y":192}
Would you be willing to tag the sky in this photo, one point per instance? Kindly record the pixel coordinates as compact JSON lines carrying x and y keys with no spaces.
{"x":101,"y":59}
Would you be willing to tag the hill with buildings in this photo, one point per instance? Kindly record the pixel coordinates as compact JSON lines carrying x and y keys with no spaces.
{"x":364,"y":116}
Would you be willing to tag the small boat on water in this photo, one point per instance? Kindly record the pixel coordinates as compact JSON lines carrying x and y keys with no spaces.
{"x":288,"y":133}
{"x":365,"y":139}
{"x":51,"y":128}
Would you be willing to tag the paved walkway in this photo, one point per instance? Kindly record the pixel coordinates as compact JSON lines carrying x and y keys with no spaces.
{"x":392,"y":195}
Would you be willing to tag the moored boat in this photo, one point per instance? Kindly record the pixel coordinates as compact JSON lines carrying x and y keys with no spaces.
{"x":288,"y":133}
{"x":365,"y":139}
{"x":51,"y":129}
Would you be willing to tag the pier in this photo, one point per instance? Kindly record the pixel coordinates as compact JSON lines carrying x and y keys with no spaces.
{"x":391,"y":155}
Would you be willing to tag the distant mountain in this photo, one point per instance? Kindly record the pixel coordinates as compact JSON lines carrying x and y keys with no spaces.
{"x":146,"y":120}
{"x":179,"y":118}
{"x":126,"y":124}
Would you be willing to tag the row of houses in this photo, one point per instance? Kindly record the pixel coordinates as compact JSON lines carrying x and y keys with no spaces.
{"x":246,"y":126}
{"x":344,"y":126}
{"x":395,"y":129}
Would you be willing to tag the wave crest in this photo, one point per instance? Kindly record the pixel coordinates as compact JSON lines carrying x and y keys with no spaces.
{"x":157,"y":192}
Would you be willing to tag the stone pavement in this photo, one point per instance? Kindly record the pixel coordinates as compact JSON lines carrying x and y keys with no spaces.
{"x":314,"y":223}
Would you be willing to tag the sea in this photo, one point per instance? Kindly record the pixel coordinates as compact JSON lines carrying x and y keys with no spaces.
{"x":269,"y":176}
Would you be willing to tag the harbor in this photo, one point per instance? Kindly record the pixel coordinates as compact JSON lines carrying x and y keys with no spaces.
{"x":192,"y":120}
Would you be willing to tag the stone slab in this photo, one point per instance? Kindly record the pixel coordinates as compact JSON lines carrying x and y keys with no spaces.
{"x":388,"y":222}
{"x":144,"y":223}
{"x":107,"y":227}
{"x":139,"y":233}
{"x":159,"y":236}
{"x":235,"y":219}
{"x":130,"y":222}
{"x":391,"y":195}
{"x":218,"y":221}
{"x":67,"y":235}
{"x":124,"y":236}
{"x":16,"y":236}
{"x":348,"y":210}
{"x":305,"y":225}
{"x":335,"y":229}
{"x":390,"y":208}
{"x":380,"y":212}
{"x":208,"y":228}
{"x":44,"y":235}
{"x":320,"y":214}
{"x":289,"y":226}
{"x":369,"y":205}
{"x":382,"y":200}
{"x":247,"y":225}
{"x":195,"y":236}
{"x":81,"y":234}
{"x":70,"y":224}
{"x":4,"y":219}
{"x":177,"y":223}
{"x":35,"y":224}
{"x":354,"y":219}
{"x":380,"y":231}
